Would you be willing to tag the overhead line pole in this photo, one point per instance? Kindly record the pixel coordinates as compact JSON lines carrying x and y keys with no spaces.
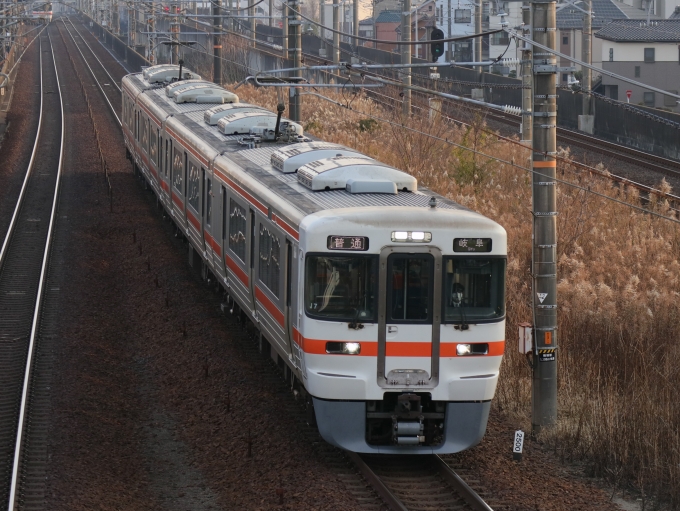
{"x":526,"y":71}
{"x":322,"y":22}
{"x":296,"y":43}
{"x":587,"y":123}
{"x":336,"y":32}
{"x":217,"y":43}
{"x":406,"y":56}
{"x":479,"y":6}
{"x":544,"y":250}
{"x":355,"y":12}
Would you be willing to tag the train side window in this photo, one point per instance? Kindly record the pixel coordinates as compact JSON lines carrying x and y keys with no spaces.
{"x":224,"y":212}
{"x":153,"y":148}
{"x":167,"y":155}
{"x":237,"y":230}
{"x":208,"y":200}
{"x":145,"y":135}
{"x":269,"y":269}
{"x":193,"y":186}
{"x":177,"y":170}
{"x":186,"y":169}
{"x":160,"y":152}
{"x":289,"y":272}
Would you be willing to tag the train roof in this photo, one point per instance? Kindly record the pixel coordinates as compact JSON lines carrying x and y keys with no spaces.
{"x":366,"y":187}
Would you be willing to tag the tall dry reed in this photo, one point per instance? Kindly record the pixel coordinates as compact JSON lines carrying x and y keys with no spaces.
{"x":618,"y":271}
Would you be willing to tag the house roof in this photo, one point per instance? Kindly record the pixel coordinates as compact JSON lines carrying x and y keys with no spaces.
{"x":631,"y":31}
{"x":366,"y":21}
{"x":389,"y":17}
{"x":604,"y":12}
{"x":676,"y":14}
{"x":636,"y":13}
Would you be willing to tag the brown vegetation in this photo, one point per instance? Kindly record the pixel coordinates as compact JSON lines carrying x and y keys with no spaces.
{"x":618,"y":288}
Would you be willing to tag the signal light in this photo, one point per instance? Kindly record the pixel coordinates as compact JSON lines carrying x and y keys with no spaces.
{"x":436,"y":47}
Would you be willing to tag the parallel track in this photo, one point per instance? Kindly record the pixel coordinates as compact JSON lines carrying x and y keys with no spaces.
{"x":417,"y":483}
{"x":104,"y":81}
{"x":24,"y":261}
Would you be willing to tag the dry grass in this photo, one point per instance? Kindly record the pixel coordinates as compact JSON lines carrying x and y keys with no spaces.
{"x":618,"y":271}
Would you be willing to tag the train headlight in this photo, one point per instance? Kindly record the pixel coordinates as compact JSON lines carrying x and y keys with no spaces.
{"x":463,"y":350}
{"x":412,"y":236}
{"x":343,"y":348}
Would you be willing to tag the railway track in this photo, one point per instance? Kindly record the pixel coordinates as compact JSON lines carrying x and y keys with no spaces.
{"x":417,"y":483}
{"x":105,"y":82}
{"x":26,"y":300}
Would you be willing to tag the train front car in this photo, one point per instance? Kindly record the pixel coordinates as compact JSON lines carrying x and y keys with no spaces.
{"x":402,"y":325}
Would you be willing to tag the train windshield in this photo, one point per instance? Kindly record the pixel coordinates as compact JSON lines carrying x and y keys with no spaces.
{"x":474,"y":289}
{"x":339,"y":288}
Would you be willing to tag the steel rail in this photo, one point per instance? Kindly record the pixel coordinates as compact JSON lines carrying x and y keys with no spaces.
{"x":447,"y":474}
{"x":38,"y":306}
{"x":12,"y":223}
{"x":372,"y":478}
{"x":113,"y":110}
{"x":469,"y":495}
{"x":113,"y":80}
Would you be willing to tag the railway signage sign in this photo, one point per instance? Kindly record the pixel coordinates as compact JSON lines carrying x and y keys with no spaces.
{"x":355,"y":243}
{"x":472,"y":245}
{"x":629,"y":93}
{"x":518,"y":445}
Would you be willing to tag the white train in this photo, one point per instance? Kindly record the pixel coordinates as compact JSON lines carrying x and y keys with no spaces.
{"x":383,"y":303}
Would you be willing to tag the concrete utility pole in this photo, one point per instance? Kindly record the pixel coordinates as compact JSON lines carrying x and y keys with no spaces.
{"x":284,"y":30}
{"x":355,"y":12}
{"x":544,"y":380}
{"x":115,"y":17}
{"x":253,"y":30}
{"x":271,"y":13}
{"x":527,"y":77}
{"x":479,"y":7}
{"x":336,"y":33}
{"x":406,"y":56}
{"x":322,"y":22}
{"x":132,"y":26}
{"x":174,"y":34}
{"x":217,"y":43}
{"x":449,"y":45}
{"x":586,"y":123}
{"x":295,"y":32}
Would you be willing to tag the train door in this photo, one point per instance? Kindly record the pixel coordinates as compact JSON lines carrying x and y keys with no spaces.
{"x":409,"y":317}
{"x":289,"y":304}
{"x":252,"y":274}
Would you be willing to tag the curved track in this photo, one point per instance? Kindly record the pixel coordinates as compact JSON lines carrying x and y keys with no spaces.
{"x":24,"y":261}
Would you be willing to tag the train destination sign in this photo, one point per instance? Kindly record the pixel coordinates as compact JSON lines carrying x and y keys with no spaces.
{"x":472,"y":245}
{"x":357,"y":243}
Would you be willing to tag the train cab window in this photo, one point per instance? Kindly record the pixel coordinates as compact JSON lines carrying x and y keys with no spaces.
{"x":269,"y":269}
{"x":177,"y":170}
{"x":339,"y":288}
{"x":474,"y":289}
{"x":237,"y":230}
{"x":410,"y":281}
{"x":193,"y":186}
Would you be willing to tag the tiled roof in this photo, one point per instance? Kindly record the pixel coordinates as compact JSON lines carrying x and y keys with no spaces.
{"x":605,"y":11}
{"x":389,"y":17}
{"x":636,"y":13}
{"x":667,"y":31}
{"x":676,"y":14}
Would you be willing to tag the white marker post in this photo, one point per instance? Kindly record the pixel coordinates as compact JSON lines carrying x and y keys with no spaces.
{"x":518,"y":445}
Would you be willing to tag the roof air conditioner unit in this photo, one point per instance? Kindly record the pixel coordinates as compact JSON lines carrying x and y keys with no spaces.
{"x":205,"y":94}
{"x":240,"y":123}
{"x":290,"y":159}
{"x":176,"y":86}
{"x":213,"y":115}
{"x":356,"y":175}
{"x":160,"y":74}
